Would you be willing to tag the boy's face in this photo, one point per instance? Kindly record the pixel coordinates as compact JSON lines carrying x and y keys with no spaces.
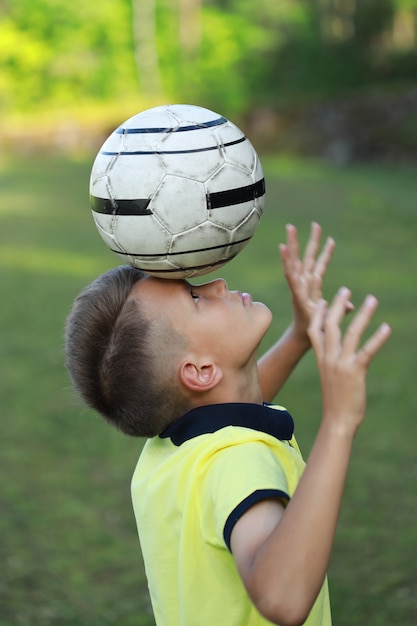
{"x":227,"y":326}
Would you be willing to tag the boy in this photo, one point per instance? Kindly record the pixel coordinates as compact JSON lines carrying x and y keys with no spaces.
{"x":234,"y":528}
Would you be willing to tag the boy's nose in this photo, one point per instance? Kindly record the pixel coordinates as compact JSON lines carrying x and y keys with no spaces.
{"x":218,"y":286}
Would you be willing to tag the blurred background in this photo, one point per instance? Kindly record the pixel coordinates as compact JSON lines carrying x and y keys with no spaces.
{"x":334,"y":78}
{"x":327,"y":92}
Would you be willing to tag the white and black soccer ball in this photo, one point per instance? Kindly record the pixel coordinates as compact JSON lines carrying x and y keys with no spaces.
{"x":177,"y":191}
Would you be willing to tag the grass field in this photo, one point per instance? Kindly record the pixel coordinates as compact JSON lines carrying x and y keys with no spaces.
{"x":69,"y":549}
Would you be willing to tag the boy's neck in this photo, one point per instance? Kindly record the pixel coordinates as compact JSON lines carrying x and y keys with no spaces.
{"x":238,"y":388}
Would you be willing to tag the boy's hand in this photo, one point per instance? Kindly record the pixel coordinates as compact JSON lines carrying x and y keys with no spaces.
{"x":342,"y":363}
{"x":305,"y":277}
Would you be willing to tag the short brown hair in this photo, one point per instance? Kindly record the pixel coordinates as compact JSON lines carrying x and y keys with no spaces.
{"x":113,"y":358}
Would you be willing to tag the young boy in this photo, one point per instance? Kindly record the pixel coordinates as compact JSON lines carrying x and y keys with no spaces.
{"x":235,"y":529}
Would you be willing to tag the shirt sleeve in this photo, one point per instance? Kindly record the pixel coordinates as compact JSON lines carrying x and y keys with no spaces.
{"x":238,"y":476}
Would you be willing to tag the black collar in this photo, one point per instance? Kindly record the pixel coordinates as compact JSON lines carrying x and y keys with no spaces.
{"x":209,"y":419}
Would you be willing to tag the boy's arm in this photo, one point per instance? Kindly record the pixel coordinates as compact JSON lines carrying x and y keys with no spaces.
{"x":304,"y":278}
{"x":282,"y":554}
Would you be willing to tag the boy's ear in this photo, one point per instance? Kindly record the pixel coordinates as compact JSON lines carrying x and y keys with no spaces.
{"x":198,"y":377}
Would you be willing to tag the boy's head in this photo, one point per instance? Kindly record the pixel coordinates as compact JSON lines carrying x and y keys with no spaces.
{"x":142,"y":351}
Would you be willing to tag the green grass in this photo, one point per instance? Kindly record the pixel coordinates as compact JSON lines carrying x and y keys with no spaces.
{"x":69,"y":548}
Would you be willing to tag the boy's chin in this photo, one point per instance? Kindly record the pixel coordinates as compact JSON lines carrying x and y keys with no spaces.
{"x":266,"y":310}
{"x":265,"y":316}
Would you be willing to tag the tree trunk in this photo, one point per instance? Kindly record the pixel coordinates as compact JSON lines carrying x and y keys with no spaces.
{"x":145,"y":42}
{"x":189,"y":27}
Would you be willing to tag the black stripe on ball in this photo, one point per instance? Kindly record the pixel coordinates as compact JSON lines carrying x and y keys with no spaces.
{"x":120,"y":207}
{"x":192,"y":151}
{"x":216,"y":200}
{"x":194,"y":268}
{"x":164,"y":255}
{"x":138,"y":256}
{"x":220,"y":199}
{"x":173,"y":129}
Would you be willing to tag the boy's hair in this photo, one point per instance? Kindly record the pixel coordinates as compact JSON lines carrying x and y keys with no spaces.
{"x":120,"y":362}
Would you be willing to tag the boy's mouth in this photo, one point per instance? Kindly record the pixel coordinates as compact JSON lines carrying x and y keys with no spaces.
{"x":246,"y":299}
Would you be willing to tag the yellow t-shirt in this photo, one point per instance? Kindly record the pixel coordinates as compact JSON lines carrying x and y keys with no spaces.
{"x":190,"y":486}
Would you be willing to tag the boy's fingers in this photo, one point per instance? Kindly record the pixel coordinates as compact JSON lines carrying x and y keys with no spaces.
{"x":357,"y":327}
{"x":292,"y":242}
{"x":289,"y":264}
{"x":318,"y":269}
{"x":325,"y":256}
{"x":359,"y":323}
{"x":374,"y":344}
{"x":334,"y":317}
{"x":315,"y":330}
{"x":338,"y":307}
{"x":312,"y":247}
{"x":312,"y":264}
{"x":289,"y":251}
{"x":326,"y":337}
{"x":325,"y":317}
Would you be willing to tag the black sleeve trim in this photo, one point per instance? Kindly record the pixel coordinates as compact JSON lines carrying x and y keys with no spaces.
{"x":242,"y":507}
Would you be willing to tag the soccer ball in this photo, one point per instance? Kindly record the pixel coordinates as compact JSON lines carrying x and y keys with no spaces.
{"x":177,"y":191}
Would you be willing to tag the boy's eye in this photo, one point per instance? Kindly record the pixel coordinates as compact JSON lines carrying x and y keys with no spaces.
{"x":194,"y":296}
